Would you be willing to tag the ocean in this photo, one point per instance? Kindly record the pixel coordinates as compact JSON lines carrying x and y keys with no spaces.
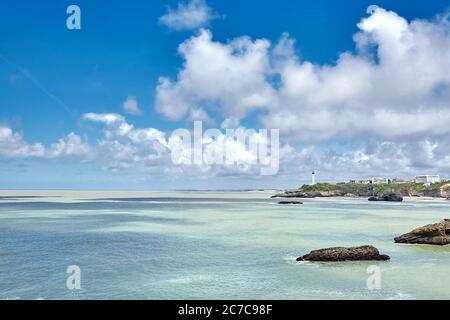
{"x":210,"y":245}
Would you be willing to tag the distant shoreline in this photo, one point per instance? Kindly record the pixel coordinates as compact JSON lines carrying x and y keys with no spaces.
{"x":407,"y":198}
{"x":410,"y":191}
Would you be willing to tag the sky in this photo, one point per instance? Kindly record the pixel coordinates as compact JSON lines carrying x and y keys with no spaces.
{"x":356,"y":89}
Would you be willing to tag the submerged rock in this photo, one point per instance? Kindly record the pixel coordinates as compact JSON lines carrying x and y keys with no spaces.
{"x":363,"y":253}
{"x":290,"y":202}
{"x":390,"y":197}
{"x":435,"y":234}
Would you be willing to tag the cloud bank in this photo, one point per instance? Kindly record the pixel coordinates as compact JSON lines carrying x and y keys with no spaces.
{"x":395,"y":86}
{"x":381,"y":109}
{"x":13,"y":145}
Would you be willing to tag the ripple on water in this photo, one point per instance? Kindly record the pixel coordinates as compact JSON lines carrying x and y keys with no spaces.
{"x":191,"y":279}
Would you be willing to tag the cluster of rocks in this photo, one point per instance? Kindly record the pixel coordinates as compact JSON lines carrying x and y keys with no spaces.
{"x":331,"y":194}
{"x":433,"y":234}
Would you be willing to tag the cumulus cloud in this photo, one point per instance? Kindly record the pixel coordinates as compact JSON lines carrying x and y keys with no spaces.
{"x":124,"y":147}
{"x":71,"y":146}
{"x":13,"y":145}
{"x":226,"y":153}
{"x":232,"y":76}
{"x":199,"y":114}
{"x":107,"y":118}
{"x":375,"y":158}
{"x":188,"y":16}
{"x":130,"y":106}
{"x":396,"y":86}
{"x":121,"y":147}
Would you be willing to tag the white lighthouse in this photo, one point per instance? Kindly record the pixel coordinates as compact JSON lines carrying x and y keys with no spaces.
{"x":313,"y":181}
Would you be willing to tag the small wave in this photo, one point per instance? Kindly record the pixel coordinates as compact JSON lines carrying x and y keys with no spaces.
{"x":191,"y":279}
{"x":19,"y":298}
{"x":292,"y":260}
{"x":328,"y":293}
{"x":401,"y":296}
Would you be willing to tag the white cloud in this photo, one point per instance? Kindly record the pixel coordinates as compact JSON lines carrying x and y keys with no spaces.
{"x":188,"y":16}
{"x":130,"y":105}
{"x":199,"y":114}
{"x":126,"y":148}
{"x":13,"y":145}
{"x":122,"y":146}
{"x":231,"y":76}
{"x":107,"y":118}
{"x":396,"y":86}
{"x":70,"y":146}
{"x":118,"y":127}
{"x":230,"y":123}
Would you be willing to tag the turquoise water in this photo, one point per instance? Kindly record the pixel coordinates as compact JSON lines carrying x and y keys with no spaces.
{"x":136,"y":245}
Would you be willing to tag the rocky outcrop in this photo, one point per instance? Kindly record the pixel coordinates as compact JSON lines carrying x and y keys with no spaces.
{"x":312,"y":194}
{"x":290,"y":202}
{"x":435,"y":234}
{"x":390,"y":197}
{"x":442,"y":192}
{"x":363,"y":253}
{"x":331,"y":194}
{"x":355,"y":191}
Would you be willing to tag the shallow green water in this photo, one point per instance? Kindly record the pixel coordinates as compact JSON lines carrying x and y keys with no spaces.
{"x":132,"y":245}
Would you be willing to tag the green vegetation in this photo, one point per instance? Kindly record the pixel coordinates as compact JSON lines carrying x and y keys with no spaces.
{"x":377,"y":189}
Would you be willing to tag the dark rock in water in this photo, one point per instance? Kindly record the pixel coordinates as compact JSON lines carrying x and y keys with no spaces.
{"x":393,"y":197}
{"x":435,"y":234}
{"x":390,"y":197}
{"x":364,"y":253}
{"x":290,"y":202}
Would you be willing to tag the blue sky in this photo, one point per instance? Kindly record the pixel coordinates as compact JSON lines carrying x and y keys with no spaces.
{"x":50,"y":77}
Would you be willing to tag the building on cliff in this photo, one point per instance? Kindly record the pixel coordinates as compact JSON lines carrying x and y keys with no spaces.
{"x":427,"y":179}
{"x":378,"y":180}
